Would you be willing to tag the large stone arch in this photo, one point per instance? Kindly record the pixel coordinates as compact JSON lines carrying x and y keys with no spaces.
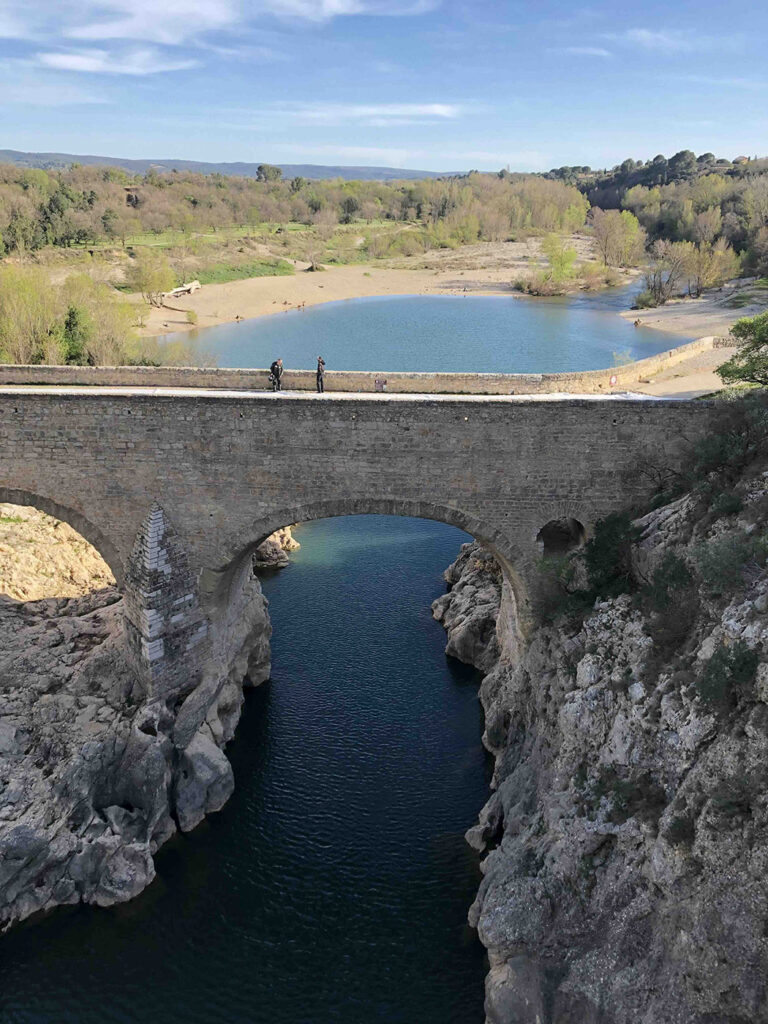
{"x":86,"y":529}
{"x":217,"y":584}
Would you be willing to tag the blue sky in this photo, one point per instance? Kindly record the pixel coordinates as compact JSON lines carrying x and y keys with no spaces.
{"x":431,"y":84}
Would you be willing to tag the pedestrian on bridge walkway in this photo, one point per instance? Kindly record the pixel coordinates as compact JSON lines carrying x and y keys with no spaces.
{"x":276,"y":375}
{"x":320,"y":374}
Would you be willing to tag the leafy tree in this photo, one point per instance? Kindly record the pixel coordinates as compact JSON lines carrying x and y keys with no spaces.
{"x":666,"y":270}
{"x":750,"y":363}
{"x":708,"y":266}
{"x":619,"y":238}
{"x":268,"y":172}
{"x":561,"y":256}
{"x":151,"y":275}
{"x":77,"y":332}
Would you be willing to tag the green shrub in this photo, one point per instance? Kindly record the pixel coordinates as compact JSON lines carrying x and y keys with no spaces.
{"x":608,"y":555}
{"x":671,"y":598}
{"x":672,"y":577}
{"x":738,"y":435}
{"x":681,"y":830}
{"x":645,"y":300}
{"x":191,"y":316}
{"x":727,"y":675}
{"x":720,"y":562}
{"x":727,"y":503}
{"x":552,"y":593}
{"x":629,"y":792}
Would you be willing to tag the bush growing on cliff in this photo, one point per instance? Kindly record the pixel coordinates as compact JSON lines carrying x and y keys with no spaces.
{"x":604,"y":564}
{"x":722,"y":562}
{"x":727,"y":675}
{"x":672,"y":577}
{"x":750,"y":364}
{"x":553,"y":590}
{"x":608,"y":555}
{"x":738,"y":435}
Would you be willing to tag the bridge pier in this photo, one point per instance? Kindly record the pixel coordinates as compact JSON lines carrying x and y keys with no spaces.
{"x":167,"y":632}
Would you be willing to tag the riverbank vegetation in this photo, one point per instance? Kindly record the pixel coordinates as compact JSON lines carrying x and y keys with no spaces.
{"x":78,"y":321}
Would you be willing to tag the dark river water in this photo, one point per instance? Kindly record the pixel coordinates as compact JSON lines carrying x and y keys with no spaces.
{"x":334,"y":886}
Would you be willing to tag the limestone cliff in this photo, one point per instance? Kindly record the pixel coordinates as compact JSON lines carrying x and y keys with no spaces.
{"x":626,"y":838}
{"x":91,"y":780}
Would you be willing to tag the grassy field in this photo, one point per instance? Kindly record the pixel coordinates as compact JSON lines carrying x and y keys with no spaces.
{"x":220,"y":273}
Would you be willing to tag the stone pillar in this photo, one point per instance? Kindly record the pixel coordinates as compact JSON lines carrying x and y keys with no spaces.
{"x":167,"y":630}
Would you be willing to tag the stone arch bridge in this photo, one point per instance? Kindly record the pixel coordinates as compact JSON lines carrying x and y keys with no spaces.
{"x":176,"y":488}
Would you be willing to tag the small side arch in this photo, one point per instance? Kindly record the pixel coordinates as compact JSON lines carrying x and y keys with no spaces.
{"x":76,"y":520}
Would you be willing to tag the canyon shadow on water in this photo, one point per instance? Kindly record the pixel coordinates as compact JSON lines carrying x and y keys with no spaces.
{"x":334,"y":885}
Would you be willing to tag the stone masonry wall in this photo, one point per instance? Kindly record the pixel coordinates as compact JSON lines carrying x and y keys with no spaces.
{"x":229,"y":470}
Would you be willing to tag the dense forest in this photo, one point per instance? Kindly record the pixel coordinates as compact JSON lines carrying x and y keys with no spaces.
{"x":86,"y":205}
{"x":686,"y":198}
{"x":683,"y":198}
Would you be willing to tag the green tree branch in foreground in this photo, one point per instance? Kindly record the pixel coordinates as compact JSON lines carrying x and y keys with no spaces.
{"x":750,"y":364}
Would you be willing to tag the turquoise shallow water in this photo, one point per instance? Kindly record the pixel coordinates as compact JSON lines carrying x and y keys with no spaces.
{"x":442,"y":332}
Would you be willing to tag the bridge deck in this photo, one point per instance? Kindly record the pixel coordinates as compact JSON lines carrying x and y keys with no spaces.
{"x":308,"y":396}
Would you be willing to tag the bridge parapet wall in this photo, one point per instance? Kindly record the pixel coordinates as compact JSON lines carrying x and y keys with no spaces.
{"x":617,"y":378}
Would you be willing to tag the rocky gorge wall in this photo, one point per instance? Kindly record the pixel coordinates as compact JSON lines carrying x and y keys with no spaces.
{"x":93,"y":779}
{"x":625,"y":842}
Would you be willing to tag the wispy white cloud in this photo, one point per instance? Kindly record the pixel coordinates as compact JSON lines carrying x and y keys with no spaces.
{"x":137,"y":61}
{"x":174,"y":22}
{"x":582,"y":51}
{"x":167,"y":21}
{"x":376,"y":115}
{"x":324,"y":10}
{"x":125,"y":36}
{"x":674,"y":41}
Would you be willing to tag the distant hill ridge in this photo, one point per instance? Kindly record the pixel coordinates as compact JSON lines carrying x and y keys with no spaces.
{"x":53,"y":161}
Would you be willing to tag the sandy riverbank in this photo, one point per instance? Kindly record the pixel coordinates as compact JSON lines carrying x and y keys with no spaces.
{"x":263,"y":296}
{"x":713,"y":313}
{"x":485,"y":268}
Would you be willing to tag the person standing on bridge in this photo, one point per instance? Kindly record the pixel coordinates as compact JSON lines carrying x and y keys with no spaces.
{"x":320,"y":375}
{"x":276,"y":372}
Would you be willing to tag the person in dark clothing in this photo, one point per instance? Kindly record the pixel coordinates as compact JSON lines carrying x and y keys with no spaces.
{"x":320,"y":374}
{"x":276,"y":373}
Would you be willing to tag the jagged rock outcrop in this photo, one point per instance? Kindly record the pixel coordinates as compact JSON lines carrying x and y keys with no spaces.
{"x":273,"y":552}
{"x":626,"y":839}
{"x":93,"y":776}
{"x":470,"y":609}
